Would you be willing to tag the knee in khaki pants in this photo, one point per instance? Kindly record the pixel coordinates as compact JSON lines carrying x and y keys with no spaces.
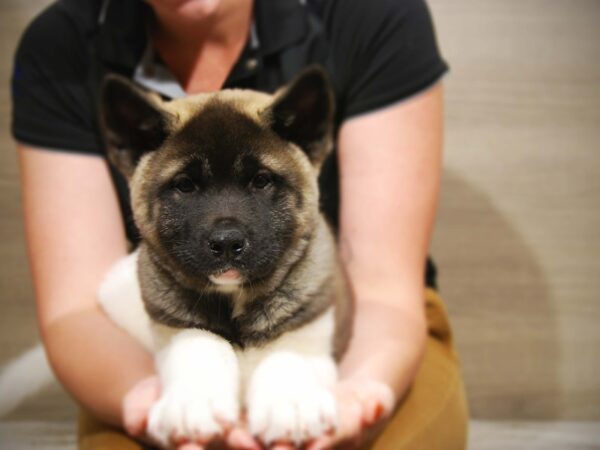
{"x":433,"y":415}
{"x":94,"y":435}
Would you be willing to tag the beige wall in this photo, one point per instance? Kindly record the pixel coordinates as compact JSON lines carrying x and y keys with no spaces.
{"x":518,"y":235}
{"x":17,"y":317}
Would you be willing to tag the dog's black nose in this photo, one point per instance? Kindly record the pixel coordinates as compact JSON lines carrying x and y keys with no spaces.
{"x":227,"y":241}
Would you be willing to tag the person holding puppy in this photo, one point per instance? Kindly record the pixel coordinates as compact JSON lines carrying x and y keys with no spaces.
{"x":379,"y":191}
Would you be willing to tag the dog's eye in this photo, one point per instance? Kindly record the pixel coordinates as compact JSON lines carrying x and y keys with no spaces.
{"x":261,"y":180}
{"x":184,"y":184}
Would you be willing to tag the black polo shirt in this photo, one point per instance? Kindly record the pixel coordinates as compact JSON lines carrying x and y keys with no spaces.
{"x":377,"y":52}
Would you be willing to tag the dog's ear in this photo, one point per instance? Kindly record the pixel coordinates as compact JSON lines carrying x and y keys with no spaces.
{"x":302,"y":113}
{"x":133,"y":122}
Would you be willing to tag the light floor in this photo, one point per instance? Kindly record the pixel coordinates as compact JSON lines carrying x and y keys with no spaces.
{"x":485,"y":435}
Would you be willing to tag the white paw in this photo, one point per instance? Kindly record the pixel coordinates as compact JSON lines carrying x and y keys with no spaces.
{"x":290,"y":398}
{"x":200,"y":379}
{"x":192,"y":414}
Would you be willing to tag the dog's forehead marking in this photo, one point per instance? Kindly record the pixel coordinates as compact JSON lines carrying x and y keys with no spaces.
{"x":222,"y":134}
{"x":220,"y":130}
{"x":230,"y":136}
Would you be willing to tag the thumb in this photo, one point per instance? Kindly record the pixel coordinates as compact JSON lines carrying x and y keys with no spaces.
{"x":137,"y":403}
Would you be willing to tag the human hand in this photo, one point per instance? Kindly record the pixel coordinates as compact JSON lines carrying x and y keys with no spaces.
{"x":136,"y":408}
{"x":363,"y":409}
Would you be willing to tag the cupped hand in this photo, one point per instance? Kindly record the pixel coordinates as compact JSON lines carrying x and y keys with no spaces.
{"x":363,"y":409}
{"x":136,"y":408}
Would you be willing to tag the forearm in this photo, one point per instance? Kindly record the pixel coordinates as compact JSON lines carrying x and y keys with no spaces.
{"x":390,"y":165}
{"x":387,"y":344}
{"x":95,"y":360}
{"x":72,"y":242}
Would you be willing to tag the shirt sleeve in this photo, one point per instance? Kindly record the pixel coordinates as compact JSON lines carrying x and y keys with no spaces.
{"x":52,"y":105}
{"x":383,"y":50}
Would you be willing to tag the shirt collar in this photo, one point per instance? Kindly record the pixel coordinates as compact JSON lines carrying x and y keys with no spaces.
{"x":122,"y":32}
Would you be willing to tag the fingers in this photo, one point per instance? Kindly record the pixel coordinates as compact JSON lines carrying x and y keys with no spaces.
{"x":282,"y":446}
{"x":377,"y":400}
{"x":240,"y":439}
{"x":373,"y":412}
{"x":349,"y":428}
{"x":137,"y":404}
{"x":320,"y":444}
{"x":362,"y":407}
{"x":190,"y":446}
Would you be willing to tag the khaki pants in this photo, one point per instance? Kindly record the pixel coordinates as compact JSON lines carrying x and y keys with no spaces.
{"x":433,"y":415}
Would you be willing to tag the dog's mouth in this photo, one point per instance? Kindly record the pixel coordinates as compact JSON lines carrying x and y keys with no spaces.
{"x":229,"y":278}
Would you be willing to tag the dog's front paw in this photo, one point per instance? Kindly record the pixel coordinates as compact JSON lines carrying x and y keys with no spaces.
{"x":290,"y":399}
{"x":196,"y":415}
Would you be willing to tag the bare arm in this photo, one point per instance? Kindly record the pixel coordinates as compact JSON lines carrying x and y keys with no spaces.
{"x":390,"y":173}
{"x":74,"y":233}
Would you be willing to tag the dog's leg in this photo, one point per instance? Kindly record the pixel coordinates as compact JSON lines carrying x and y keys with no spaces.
{"x":200,"y":387}
{"x":290,"y":391}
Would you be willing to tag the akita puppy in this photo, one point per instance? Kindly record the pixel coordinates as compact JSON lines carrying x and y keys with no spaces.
{"x":236,"y":285}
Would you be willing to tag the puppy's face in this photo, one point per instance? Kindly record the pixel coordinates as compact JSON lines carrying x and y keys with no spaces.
{"x":224,"y":186}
